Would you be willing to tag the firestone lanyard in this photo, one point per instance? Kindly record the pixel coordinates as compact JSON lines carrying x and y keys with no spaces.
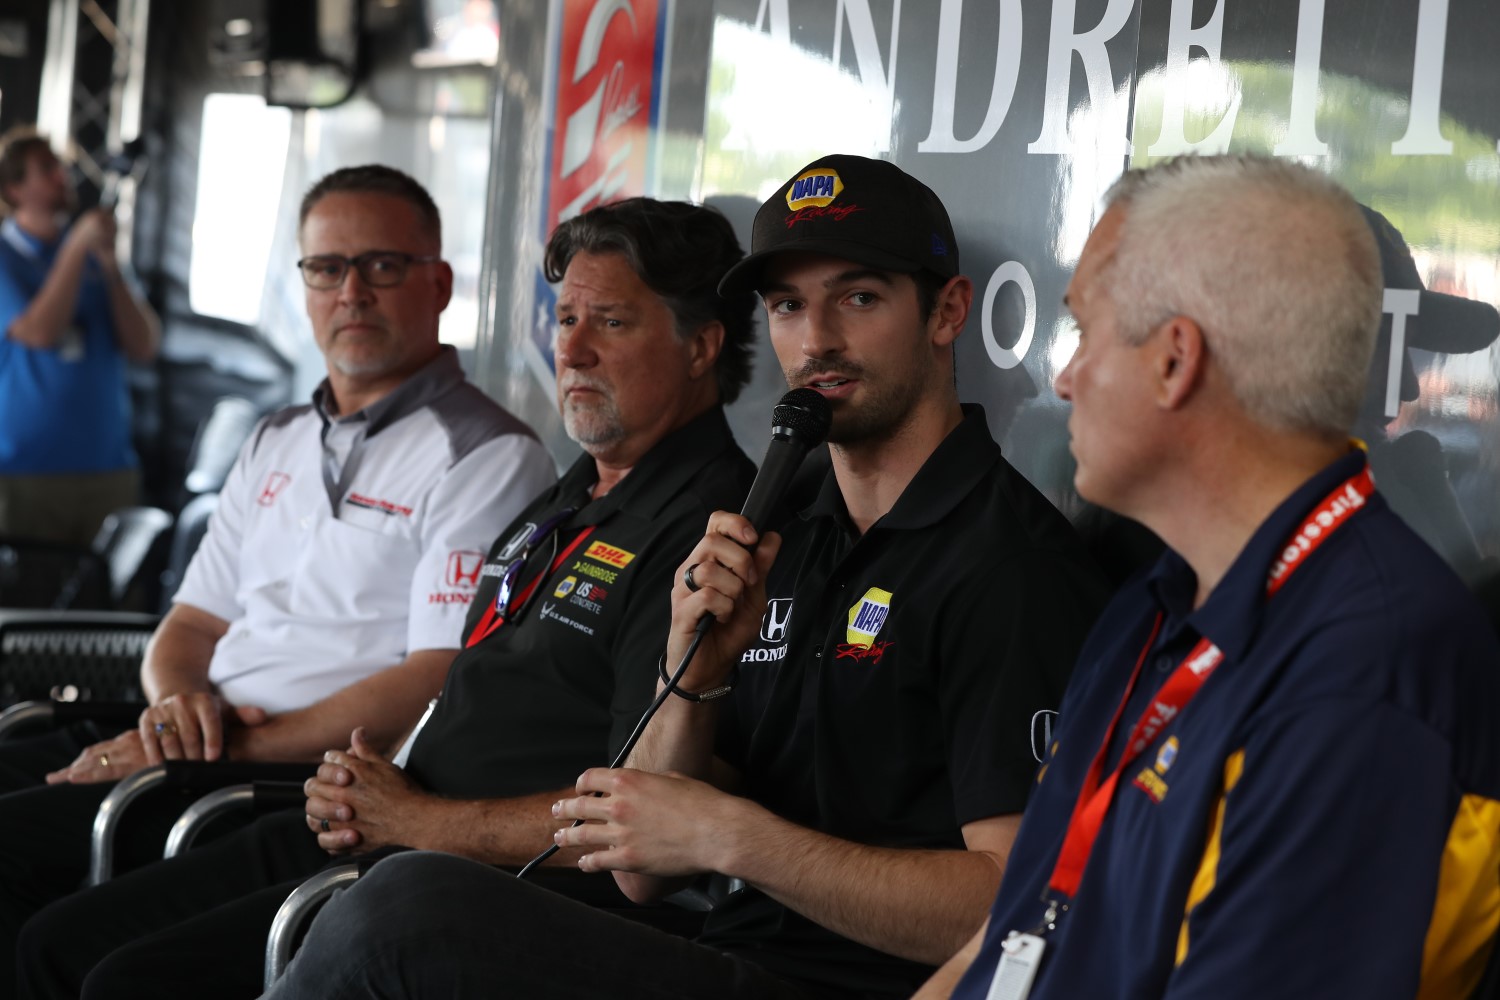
{"x":497,"y":613}
{"x":1096,"y":797}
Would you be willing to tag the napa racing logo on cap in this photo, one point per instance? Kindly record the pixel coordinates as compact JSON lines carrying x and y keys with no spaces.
{"x":815,"y":188}
{"x":867,"y":616}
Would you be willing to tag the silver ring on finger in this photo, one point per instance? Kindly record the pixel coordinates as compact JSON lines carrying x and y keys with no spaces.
{"x":688,"y":581}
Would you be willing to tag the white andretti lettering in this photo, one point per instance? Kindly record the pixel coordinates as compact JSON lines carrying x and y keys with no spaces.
{"x":763,"y":655}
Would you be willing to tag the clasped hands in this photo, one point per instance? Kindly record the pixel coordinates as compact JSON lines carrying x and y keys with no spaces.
{"x":360,"y":801}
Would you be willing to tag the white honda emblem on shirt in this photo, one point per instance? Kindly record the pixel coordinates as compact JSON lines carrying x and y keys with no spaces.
{"x":778,"y":615}
{"x":517,"y":542}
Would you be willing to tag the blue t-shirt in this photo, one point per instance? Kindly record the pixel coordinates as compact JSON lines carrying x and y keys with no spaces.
{"x":1321,"y":820}
{"x":64,"y":408}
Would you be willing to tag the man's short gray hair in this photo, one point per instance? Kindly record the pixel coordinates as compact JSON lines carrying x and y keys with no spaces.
{"x":1274,"y":262}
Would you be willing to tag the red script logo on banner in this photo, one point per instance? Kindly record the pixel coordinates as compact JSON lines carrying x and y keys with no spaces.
{"x":605,"y":87}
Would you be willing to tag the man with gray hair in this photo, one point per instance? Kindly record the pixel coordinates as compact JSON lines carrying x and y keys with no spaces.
{"x":1275,"y":772}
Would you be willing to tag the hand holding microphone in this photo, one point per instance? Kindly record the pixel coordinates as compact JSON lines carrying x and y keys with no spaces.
{"x":728,"y":567}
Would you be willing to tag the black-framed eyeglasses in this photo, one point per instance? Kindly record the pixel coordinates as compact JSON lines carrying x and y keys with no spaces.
{"x":378,"y":268}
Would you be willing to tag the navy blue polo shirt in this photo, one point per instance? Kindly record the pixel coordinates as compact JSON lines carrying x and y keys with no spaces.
{"x":1321,"y":820}
{"x":889,"y":696}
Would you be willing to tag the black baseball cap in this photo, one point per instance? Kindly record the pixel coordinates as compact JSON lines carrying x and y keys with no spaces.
{"x":1445,"y":324}
{"x":867,"y":211}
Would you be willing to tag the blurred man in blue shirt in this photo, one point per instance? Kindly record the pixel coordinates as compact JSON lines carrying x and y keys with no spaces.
{"x":69,"y":321}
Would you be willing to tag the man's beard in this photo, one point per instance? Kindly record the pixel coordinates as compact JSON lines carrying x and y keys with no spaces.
{"x":365,"y":366}
{"x":365,"y":357}
{"x":882,"y":412}
{"x":594,"y":425}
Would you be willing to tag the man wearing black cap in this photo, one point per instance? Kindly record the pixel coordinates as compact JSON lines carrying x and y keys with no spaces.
{"x":1410,"y":466}
{"x":864,"y":776}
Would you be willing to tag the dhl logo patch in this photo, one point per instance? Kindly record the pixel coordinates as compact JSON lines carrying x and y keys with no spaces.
{"x":608,"y":554}
{"x":868,"y":616}
{"x":816,"y":187}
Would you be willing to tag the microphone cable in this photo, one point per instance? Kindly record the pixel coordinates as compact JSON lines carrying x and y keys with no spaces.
{"x":640,"y":728}
{"x":800,"y":421}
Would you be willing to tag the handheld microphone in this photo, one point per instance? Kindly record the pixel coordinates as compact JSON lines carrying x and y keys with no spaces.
{"x":799,"y":423}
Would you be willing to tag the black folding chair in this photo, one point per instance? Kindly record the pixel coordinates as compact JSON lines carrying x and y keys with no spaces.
{"x":72,"y":656}
{"x":98,"y":576}
{"x":219,"y":787}
{"x":192,"y":525}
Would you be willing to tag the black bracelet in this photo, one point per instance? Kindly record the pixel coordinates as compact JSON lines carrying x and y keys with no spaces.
{"x":709,"y":695}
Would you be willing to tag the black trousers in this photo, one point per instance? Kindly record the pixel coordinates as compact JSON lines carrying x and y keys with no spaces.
{"x":196,"y":925}
{"x":435,"y":926}
{"x":44,"y":829}
{"x":25,"y":763}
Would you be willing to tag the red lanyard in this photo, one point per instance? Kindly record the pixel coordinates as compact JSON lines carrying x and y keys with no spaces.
{"x":493,"y":619}
{"x":1096,"y":796}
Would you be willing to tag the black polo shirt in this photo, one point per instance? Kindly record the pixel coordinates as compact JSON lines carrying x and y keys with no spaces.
{"x":558,"y":689}
{"x":889,"y":696}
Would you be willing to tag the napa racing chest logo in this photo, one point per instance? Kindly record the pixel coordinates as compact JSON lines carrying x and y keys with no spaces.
{"x":816,"y":188}
{"x":866,"y":618}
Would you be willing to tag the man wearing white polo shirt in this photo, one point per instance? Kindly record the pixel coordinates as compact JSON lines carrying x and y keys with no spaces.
{"x":332,"y":586}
